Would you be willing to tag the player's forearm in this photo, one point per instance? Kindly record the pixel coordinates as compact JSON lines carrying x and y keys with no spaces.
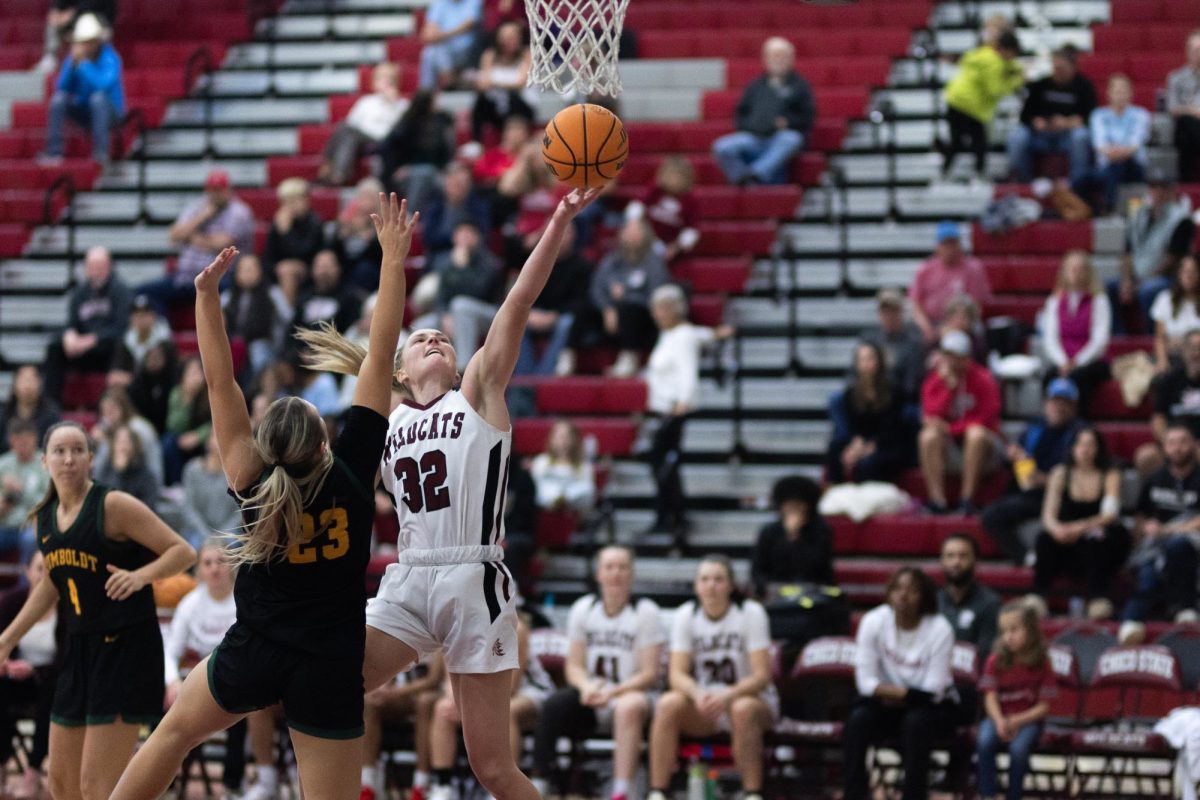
{"x":214,"y":342}
{"x":389,"y":308}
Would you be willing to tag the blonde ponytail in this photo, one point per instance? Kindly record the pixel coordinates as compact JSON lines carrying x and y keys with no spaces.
{"x":330,"y":351}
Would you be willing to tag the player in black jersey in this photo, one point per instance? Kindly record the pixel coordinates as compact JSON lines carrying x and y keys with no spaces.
{"x":302,"y":556}
{"x":102,"y":549}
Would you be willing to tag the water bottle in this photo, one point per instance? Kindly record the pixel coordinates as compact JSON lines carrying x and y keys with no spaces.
{"x":710,"y":786}
{"x":696,"y":781}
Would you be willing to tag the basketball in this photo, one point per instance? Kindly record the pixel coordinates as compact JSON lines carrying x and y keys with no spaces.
{"x":585,"y":146}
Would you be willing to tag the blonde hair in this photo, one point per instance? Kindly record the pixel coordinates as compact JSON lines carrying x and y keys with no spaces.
{"x":289,"y":442}
{"x":1060,"y":284}
{"x":329,"y":351}
{"x":290,"y":188}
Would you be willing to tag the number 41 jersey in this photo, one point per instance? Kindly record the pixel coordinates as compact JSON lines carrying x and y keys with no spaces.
{"x":446,"y":469}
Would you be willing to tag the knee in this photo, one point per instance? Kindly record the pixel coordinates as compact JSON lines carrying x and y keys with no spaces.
{"x":59,"y":784}
{"x":490,"y":770}
{"x":97,"y":100}
{"x":789,"y":138}
{"x":1081,"y":136}
{"x":446,"y":711}
{"x":930,"y":436}
{"x":669,"y":708}
{"x":60,"y":100}
{"x":726,"y":145}
{"x":743,"y":715}
{"x":1018,"y":137}
{"x":630,"y":711}
{"x":977,"y":435}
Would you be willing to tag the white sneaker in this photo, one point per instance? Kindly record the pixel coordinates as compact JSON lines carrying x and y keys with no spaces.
{"x":442,"y":793}
{"x":259,"y":792}
{"x":1131,"y":633}
{"x":565,"y":365}
{"x":656,"y":795}
{"x":626,"y":365}
{"x":48,"y":63}
{"x":1187,"y":616}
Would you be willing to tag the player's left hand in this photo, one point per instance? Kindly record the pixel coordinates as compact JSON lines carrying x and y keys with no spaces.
{"x":209,"y":279}
{"x":576,"y":201}
{"x":122,"y":583}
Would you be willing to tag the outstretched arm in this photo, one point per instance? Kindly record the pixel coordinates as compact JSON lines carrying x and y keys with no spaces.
{"x":395,"y":229}
{"x":490,"y":370}
{"x":231,"y":420}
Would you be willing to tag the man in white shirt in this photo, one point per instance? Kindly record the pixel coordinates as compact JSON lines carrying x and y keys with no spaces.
{"x":370,"y":119}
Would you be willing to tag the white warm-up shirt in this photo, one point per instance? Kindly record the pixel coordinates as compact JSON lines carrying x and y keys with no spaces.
{"x":917,"y":659}
{"x":614,"y":644}
{"x":673,"y":371}
{"x":199,"y":625}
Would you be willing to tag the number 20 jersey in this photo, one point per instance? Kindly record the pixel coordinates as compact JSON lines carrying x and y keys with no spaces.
{"x":446,"y":469}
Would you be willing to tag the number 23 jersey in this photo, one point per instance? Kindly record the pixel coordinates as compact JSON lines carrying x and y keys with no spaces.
{"x":446,"y":469}
{"x":720,"y":648}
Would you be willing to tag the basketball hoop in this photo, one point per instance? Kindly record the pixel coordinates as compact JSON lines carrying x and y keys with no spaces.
{"x":575,"y":43}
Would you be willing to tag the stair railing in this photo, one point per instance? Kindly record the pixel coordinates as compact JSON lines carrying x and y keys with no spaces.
{"x":66,"y":184}
{"x":200,"y":70}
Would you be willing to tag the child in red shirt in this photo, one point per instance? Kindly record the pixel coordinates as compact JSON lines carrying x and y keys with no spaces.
{"x":670,"y":208}
{"x":1017,"y":682}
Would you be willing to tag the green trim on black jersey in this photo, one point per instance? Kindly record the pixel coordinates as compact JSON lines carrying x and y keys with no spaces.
{"x":327,"y":733}
{"x":354,"y":481}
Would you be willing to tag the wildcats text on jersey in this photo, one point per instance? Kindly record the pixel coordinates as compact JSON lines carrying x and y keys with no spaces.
{"x":70,"y":557}
{"x":430,"y":428}
{"x":611,"y":638}
{"x":729,"y":642}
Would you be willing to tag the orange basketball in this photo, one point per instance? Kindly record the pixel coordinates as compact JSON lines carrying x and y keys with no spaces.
{"x":585,"y":146}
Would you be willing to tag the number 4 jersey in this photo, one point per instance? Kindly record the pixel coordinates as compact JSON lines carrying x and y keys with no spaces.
{"x":446,"y":469}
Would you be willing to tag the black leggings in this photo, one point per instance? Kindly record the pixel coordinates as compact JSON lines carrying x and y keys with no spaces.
{"x":1092,"y":561}
{"x":562,"y":715}
{"x":916,"y":727}
{"x":666,"y":453}
{"x":966,"y":134}
{"x":1187,"y":141}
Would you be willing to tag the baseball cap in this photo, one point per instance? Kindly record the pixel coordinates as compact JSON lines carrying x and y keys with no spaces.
{"x":88,"y":28}
{"x":143,"y":303}
{"x":1062,"y":389}
{"x":889,"y":298}
{"x":217,"y":179}
{"x":947,"y":229}
{"x":956,"y":342}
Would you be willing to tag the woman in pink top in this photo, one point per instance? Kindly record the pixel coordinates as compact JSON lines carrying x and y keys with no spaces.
{"x":1076,"y":323}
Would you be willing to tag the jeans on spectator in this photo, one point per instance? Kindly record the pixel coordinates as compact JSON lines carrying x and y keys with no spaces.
{"x":1164,"y":585}
{"x":1024,"y":143}
{"x":418,"y":183}
{"x":1110,"y":178}
{"x":1147,"y":289}
{"x":174,"y":457}
{"x":342,"y":152}
{"x":472,"y":318}
{"x":1187,"y":142}
{"x":97,"y":114}
{"x":916,"y":726}
{"x":745,"y":155}
{"x":1003,"y":519}
{"x":54,"y":370}
{"x":1019,"y":751}
{"x":666,"y":455}
{"x":563,"y":714}
{"x":448,"y":56}
{"x":528,"y":361}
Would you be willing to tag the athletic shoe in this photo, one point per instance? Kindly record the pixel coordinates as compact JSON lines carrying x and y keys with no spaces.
{"x":621,"y":796}
{"x":1187,"y":616}
{"x":442,"y":793}
{"x":366,"y":793}
{"x":656,"y":795}
{"x":259,"y":792}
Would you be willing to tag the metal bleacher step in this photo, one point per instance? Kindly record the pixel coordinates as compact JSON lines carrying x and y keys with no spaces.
{"x":53,"y":275}
{"x":184,"y":173}
{"x":906,"y":238}
{"x":910,"y":168}
{"x":724,"y":526}
{"x":262,"y":111}
{"x":1057,"y":12}
{"x":304,"y":82}
{"x":782,"y":395}
{"x":21,"y":348}
{"x":744,"y":481}
{"x":841,"y":314}
{"x":960,"y":40}
{"x":940,"y":200}
{"x":33,"y":312}
{"x":780,"y":437}
{"x":301,"y":7}
{"x":136,"y":240}
{"x":233,"y":142}
{"x":305,"y":54}
{"x":814,"y":352}
{"x":343,"y":24}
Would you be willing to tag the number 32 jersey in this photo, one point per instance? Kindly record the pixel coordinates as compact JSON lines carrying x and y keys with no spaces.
{"x":446,"y":469}
{"x":720,"y":648}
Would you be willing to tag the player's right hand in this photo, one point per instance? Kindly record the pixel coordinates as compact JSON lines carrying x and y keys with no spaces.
{"x":209,"y":279}
{"x":394,"y":226}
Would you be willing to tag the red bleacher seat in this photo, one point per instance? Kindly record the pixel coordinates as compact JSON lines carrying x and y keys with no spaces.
{"x":187,"y":345}
{"x":908,"y":534}
{"x":554,"y":528}
{"x":586,"y":395}
{"x":614,"y":436}
{"x":1107,"y":403}
{"x":1022,"y":274}
{"x":713,"y":274}
{"x":83,"y":389}
{"x":1044,"y":238}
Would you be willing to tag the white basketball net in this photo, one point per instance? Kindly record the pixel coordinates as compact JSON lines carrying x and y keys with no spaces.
{"x":574,"y":44}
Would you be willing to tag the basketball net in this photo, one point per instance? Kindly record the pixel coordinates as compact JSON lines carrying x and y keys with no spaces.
{"x":574,"y":44}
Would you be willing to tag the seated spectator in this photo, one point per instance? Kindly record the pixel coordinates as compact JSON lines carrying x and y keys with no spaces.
{"x":296,"y":230}
{"x":146,"y":331}
{"x":901,"y":343}
{"x":469,"y":282}
{"x":23,"y":483}
{"x":719,"y":678}
{"x":672,"y":393}
{"x":249,"y":312}
{"x":1176,"y":399}
{"x":89,"y":91}
{"x":290,"y":277}
{"x":152,"y":384}
{"x":448,"y":37}
{"x":872,"y":440}
{"x":670,"y":208}
{"x":352,"y":237}
{"x":1157,"y":238}
{"x":328,"y":299}
{"x":986,"y":75}
{"x":126,"y":470}
{"x":189,"y":421}
{"x":968,"y":605}
{"x":963,"y":314}
{"x":318,"y":388}
{"x":1082,"y":537}
{"x":613,"y":660}
{"x":369,"y":120}
{"x":960,"y":408}
{"x":27,"y":401}
{"x":1045,"y":444}
{"x":946,"y":274}
{"x":497,"y":160}
{"x":204,"y":228}
{"x":1176,"y":312}
{"x":524,"y":201}
{"x":117,"y":411}
{"x":96,"y":316}
{"x":1183,"y":101}
{"x":207,"y":507}
{"x":564,"y":476}
{"x":457,"y":201}
{"x":500,"y":84}
{"x":30,"y":676}
{"x":1054,"y":119}
{"x":1120,"y":132}
{"x":1168,"y":516}
{"x":1075,"y":325}
{"x":1017,"y":683}
{"x":563,"y":300}
{"x":418,"y":148}
{"x":411,"y":696}
{"x":773,"y":120}
{"x":620,"y":296}
{"x":797,"y":547}
{"x":60,"y":21}
{"x":902,"y":671}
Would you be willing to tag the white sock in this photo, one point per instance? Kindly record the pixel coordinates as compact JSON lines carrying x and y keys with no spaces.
{"x":541,"y":785}
{"x":620,"y":786}
{"x":369,"y":776}
{"x":420,"y":779}
{"x":267,"y":777}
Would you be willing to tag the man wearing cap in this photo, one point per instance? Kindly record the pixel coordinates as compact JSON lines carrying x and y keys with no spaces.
{"x":1044,"y":445}
{"x":1054,"y":119}
{"x":947,"y":273}
{"x":1176,"y":399}
{"x":146,"y":331}
{"x":900,"y":341}
{"x":1183,"y":101}
{"x":96,"y":316}
{"x":205,"y":227}
{"x":88,"y":91}
{"x":1159,"y":235}
{"x":960,"y":410}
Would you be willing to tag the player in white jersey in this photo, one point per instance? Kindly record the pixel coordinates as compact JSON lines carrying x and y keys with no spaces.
{"x":612,"y":667}
{"x":445,"y":464}
{"x":720,"y":679}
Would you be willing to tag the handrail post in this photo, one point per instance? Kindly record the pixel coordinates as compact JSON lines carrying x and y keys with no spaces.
{"x":66,"y":184}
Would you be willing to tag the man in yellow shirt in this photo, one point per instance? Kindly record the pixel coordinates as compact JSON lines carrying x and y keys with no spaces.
{"x":985,"y":76}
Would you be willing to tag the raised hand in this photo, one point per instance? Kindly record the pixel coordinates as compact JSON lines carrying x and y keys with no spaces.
{"x":577,"y":201}
{"x":394,"y":226}
{"x":209,"y":279}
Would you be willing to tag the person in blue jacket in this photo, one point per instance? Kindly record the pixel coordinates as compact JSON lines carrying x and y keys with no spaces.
{"x":88,"y":90}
